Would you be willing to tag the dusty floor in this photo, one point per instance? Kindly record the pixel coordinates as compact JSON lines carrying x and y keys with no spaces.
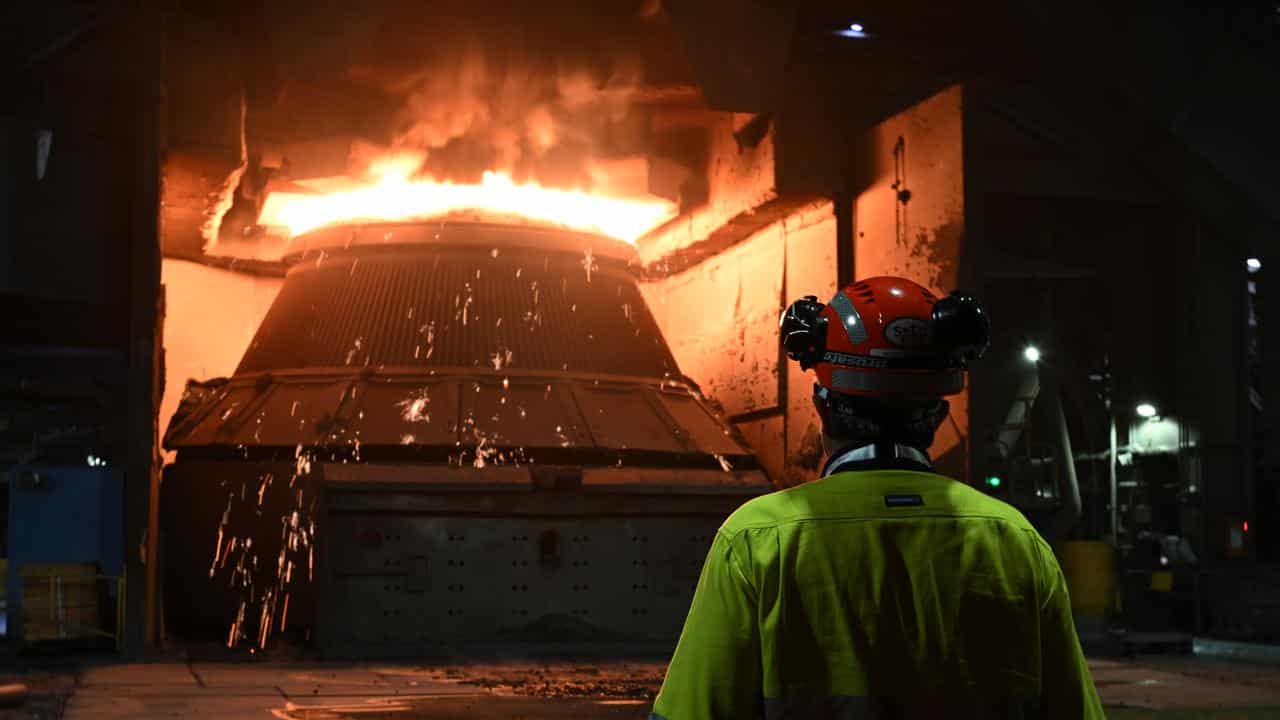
{"x":1150,"y":688}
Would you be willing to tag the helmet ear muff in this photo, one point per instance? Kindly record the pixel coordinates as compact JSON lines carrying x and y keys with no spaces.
{"x":961,"y":328}
{"x":804,"y":331}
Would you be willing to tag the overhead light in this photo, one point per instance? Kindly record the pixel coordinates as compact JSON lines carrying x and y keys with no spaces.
{"x":854,"y":30}
{"x":1032,"y":354}
{"x":1146,"y":410}
{"x":1254,"y":264}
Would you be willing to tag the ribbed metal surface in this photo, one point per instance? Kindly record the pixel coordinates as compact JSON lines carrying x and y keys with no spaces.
{"x":449,"y":307}
{"x":462,"y":348}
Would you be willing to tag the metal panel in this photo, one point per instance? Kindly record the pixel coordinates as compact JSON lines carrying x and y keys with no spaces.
{"x":491,"y":478}
{"x":679,"y":480}
{"x":521,"y":414}
{"x":706,"y":433}
{"x":395,"y":413}
{"x":296,"y":413}
{"x":218,"y":422}
{"x":623,"y":418}
{"x":406,"y":580}
{"x":510,"y":501}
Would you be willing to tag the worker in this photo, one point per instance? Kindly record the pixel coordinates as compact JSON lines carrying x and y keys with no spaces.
{"x":880,"y":589}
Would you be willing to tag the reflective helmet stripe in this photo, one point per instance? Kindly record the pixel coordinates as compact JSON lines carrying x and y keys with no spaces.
{"x":849,"y":318}
{"x":932,"y":383}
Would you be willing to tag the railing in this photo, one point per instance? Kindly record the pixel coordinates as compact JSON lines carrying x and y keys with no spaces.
{"x":63,"y":602}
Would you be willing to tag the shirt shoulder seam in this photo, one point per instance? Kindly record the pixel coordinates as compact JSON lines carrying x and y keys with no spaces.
{"x":729,"y":533}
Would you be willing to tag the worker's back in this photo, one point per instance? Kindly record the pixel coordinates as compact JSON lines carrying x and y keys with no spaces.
{"x":878,"y":594}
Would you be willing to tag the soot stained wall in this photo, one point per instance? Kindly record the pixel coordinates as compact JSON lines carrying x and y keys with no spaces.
{"x":922,"y":237}
{"x":211,"y":316}
{"x":721,"y":319}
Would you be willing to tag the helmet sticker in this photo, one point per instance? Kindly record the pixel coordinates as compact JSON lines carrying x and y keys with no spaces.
{"x":849,"y":318}
{"x":909,"y":332}
{"x":838,"y":358}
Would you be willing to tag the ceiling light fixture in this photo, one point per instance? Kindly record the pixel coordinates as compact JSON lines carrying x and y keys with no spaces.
{"x":853,"y":30}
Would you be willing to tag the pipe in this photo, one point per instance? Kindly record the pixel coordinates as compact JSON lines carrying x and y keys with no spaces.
{"x":1068,"y":484}
{"x":1111,"y":468}
{"x":1016,"y":419}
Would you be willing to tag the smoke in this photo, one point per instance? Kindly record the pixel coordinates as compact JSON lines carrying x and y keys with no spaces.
{"x":544,"y":119}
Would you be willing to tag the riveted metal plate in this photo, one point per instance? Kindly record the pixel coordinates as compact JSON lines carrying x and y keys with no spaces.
{"x":495,"y":578}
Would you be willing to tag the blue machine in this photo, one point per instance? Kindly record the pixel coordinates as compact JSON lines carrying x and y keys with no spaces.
{"x":63,"y":514}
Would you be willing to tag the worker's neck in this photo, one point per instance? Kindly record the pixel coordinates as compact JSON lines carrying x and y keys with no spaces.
{"x":875,"y":455}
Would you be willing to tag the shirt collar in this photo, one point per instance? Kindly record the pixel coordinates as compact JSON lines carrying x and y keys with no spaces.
{"x":877,"y":456}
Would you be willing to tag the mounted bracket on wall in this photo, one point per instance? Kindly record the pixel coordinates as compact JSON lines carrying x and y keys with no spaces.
{"x":902,"y":193}
{"x":751,"y":134}
{"x":44,"y":145}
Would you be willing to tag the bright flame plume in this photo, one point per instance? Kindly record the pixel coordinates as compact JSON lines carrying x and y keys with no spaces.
{"x":396,"y":195}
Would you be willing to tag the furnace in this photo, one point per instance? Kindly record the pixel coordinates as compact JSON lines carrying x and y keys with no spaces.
{"x":447,"y":432}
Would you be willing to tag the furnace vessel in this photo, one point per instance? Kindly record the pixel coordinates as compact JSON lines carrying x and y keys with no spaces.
{"x":444,"y":433}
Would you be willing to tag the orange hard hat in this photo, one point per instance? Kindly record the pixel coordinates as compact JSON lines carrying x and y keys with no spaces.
{"x":887,"y":336}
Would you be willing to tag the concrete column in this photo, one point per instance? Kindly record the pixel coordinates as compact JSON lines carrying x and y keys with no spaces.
{"x":1267,"y":515}
{"x":146,"y":28}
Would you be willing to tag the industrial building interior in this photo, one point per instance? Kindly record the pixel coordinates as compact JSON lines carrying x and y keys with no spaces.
{"x":395,"y":359}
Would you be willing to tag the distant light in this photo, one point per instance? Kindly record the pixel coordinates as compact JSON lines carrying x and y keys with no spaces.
{"x":855,"y":30}
{"x":1147,"y":410}
{"x":1164,"y":560}
{"x":1254,"y":264}
{"x":1032,"y":354}
{"x":1246,"y":526}
{"x":994,"y":481}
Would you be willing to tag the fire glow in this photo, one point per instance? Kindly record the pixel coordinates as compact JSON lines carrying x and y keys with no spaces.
{"x":396,"y":194}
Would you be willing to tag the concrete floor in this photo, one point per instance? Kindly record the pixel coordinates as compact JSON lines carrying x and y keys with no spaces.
{"x":1149,"y":688}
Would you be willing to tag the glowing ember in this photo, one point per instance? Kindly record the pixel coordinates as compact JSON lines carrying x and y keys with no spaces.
{"x":395,"y":194}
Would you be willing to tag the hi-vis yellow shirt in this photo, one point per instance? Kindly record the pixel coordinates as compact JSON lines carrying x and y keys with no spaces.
{"x":878,"y":594}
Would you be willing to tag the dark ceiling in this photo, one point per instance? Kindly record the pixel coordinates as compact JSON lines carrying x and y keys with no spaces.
{"x":1207,"y":71}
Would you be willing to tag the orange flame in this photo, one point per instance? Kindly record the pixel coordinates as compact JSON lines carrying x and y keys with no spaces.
{"x":396,"y":195}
